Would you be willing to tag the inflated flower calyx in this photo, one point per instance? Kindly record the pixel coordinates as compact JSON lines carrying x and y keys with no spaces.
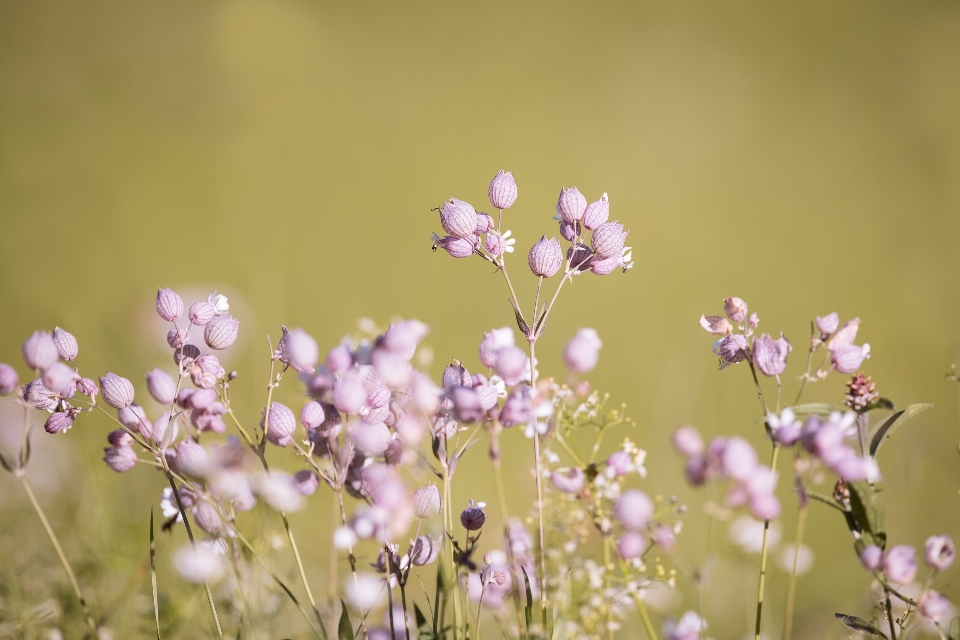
{"x":458,"y":218}
{"x":169,"y":305}
{"x":298,"y":349}
{"x":207,"y":518}
{"x":221,"y":332}
{"x":280,"y":424}
{"x":201,"y":313}
{"x":120,"y":459}
{"x":58,"y":422}
{"x":473,"y":517}
{"x":66,"y":344}
{"x":192,"y":459}
{"x":503,"y":190}
{"x":40,"y":351}
{"x":571,"y":205}
{"x":735,"y":308}
{"x":312,"y":415}
{"x":424,"y":550}
{"x":116,"y":391}
{"x":458,"y":247}
{"x":597,"y":213}
{"x":545,"y":257}
{"x":38,"y":396}
{"x":769,"y":355}
{"x":60,"y":378}
{"x":608,"y":240}
{"x":426,"y":501}
{"x":305,"y":482}
{"x":828,"y":324}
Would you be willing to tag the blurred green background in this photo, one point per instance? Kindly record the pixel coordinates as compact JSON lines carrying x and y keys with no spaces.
{"x":288,"y":154}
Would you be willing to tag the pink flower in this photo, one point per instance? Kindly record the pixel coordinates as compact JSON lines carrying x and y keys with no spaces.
{"x":458,"y":218}
{"x":939,"y":552}
{"x":503,"y":190}
{"x":571,"y":205}
{"x":769,"y":355}
{"x":735,"y":308}
{"x":583,"y":351}
{"x":545,"y":257}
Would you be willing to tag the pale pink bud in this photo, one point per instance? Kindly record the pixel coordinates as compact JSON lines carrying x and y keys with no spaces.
{"x":545,"y":257}
{"x":280,"y":424}
{"x":933,"y":606}
{"x":298,"y":349}
{"x":847,"y":358}
{"x":605,"y":266}
{"x":569,"y":230}
{"x":176,"y":338}
{"x":60,"y":378}
{"x":633,"y":509}
{"x":571,"y":204}
{"x":754,"y":320}
{"x":583,"y":351}
{"x":484,"y":223}
{"x":939,"y":552}
{"x":120,"y":459}
{"x":119,"y":438}
{"x":192,"y":459}
{"x":202,"y":398}
{"x":900,"y":564}
{"x":455,"y":375}
{"x":38,"y":396}
{"x":40,"y":351}
{"x":133,"y":417}
{"x":9,"y":380}
{"x":845,"y":336}
{"x":871,"y":557}
{"x":620,"y":463}
{"x":828,"y":324}
{"x":161,"y":387}
{"x":503,"y":190}
{"x":663,"y":537}
{"x":492,"y":342}
{"x":340,"y":359}
{"x":458,"y":247}
{"x":207,"y":518}
{"x":403,"y":337}
{"x":305,"y":482}
{"x":116,"y":391}
{"x":201,"y":313}
{"x":221,"y":332}
{"x":511,"y":362}
{"x":769,"y":355}
{"x":87,"y":387}
{"x":66,"y":344}
{"x":687,"y":441}
{"x":735,"y":308}
{"x":349,"y":394}
{"x":372,"y":439}
{"x":739,"y":459}
{"x":717,"y":325}
{"x":312,"y":415}
{"x":424,"y":551}
{"x":608,"y":240}
{"x":569,"y":481}
{"x":631,"y":545}
{"x":597,"y":213}
{"x":205,"y":371}
{"x":58,"y":422}
{"x":169,"y":305}
{"x":472,"y":518}
{"x":426,"y":501}
{"x":495,"y":244}
{"x":765,"y":507}
{"x":458,"y":218}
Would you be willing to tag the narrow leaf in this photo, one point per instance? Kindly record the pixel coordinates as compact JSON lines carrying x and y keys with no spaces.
{"x":528,"y":608}
{"x":955,"y":629}
{"x":424,"y":630}
{"x":344,"y":629}
{"x":521,"y":323}
{"x":859,"y":624}
{"x":7,"y":461}
{"x":153,"y":576}
{"x":893,"y":423}
{"x":25,"y":452}
{"x":816,"y":408}
{"x":819,"y":497}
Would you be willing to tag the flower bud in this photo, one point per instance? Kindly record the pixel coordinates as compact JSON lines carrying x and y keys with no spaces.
{"x":511,"y":362}
{"x":828,"y":324}
{"x":133,"y":417}
{"x":735,"y":308}
{"x":9,"y":380}
{"x":116,"y":391}
{"x":608,"y":240}
{"x":312,"y":415}
{"x":221,"y":332}
{"x":663,"y":537}
{"x":939,"y":552}
{"x":424,"y":551}
{"x":87,"y":387}
{"x":871,"y":557}
{"x":847,"y":358}
{"x":372,"y":439}
{"x":120,"y":459}
{"x":473,"y":517}
{"x":717,"y":325}
{"x":687,"y":441}
{"x":459,"y":247}
{"x":633,"y":509}
{"x":201,"y":313}
{"x":169,"y":305}
{"x":597,"y":213}
{"x":192,"y":459}
{"x":426,"y":501}
{"x":569,"y":481}
{"x":933,"y":605}
{"x":207,"y":518}
{"x":305,"y":482}
{"x":583,"y":351}
{"x":495,"y":244}
{"x":455,"y":375}
{"x":66,"y":344}
{"x":739,"y":459}
{"x":38,"y":396}
{"x":58,"y":422}
{"x":161,"y":387}
{"x":340,"y":359}
{"x":119,"y":438}
{"x":900,"y":564}
{"x":40,"y":351}
{"x":545,"y":257}
{"x":571,"y":204}
{"x":349,"y":394}
{"x":604,"y":266}
{"x":631,"y":545}
{"x":60,"y":378}
{"x":769,"y":355}
{"x":765,"y":507}
{"x":176,"y":338}
{"x":458,"y":218}
{"x":484,"y":223}
{"x":298,"y":349}
{"x":570,"y":230}
{"x":503,"y":190}
{"x":619,"y":463}
{"x":280,"y":424}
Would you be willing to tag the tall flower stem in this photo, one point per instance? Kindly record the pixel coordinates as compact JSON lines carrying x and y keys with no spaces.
{"x":539,"y":470}
{"x":454,"y":584}
{"x":792,"y":586}
{"x":763,"y":549}
{"x":352,"y":558}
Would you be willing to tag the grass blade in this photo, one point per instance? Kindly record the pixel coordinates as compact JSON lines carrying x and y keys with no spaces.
{"x":345,"y":628}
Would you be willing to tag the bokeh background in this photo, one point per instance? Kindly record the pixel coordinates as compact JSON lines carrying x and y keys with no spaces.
{"x":288,"y":154}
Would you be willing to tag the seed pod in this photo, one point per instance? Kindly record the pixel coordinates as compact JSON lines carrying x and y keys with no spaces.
{"x":201,"y":313}
{"x":426,"y":501}
{"x":40,"y":351}
{"x":424,"y":550}
{"x":116,"y":391}
{"x":66,"y":344}
{"x":192,"y":459}
{"x":459,"y":247}
{"x":545,"y":257}
{"x":58,"y":422}
{"x":571,"y":204}
{"x":305,"y":482}
{"x":503,"y":190}
{"x":312,"y":415}
{"x":281,"y":423}
{"x":207,"y":518}
{"x":169,"y":305}
{"x":472,"y":518}
{"x":458,"y":218}
{"x":608,"y":240}
{"x":60,"y":379}
{"x":597,"y":213}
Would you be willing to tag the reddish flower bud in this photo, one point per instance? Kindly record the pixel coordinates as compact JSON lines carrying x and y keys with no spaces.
{"x":305,"y":482}
{"x":583,"y":351}
{"x":116,"y":391}
{"x":280,"y":424}
{"x":545,"y":257}
{"x":503,"y":190}
{"x":608,"y":240}
{"x":58,"y":422}
{"x":60,"y":378}
{"x":40,"y":351}
{"x":633,"y":509}
{"x":221,"y":332}
{"x":66,"y":344}
{"x":597,"y":213}
{"x":201,"y":313}
{"x":458,"y":218}
{"x":735,"y":308}
{"x":426,"y":501}
{"x":571,"y":204}
{"x":169,"y":305}
{"x":120,"y":459}
{"x":9,"y":380}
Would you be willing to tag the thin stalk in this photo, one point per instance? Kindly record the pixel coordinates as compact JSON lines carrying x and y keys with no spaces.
{"x":539,"y":470}
{"x":763,"y":549}
{"x":352,"y":558}
{"x":756,"y":382}
{"x":87,"y":616}
{"x":513,"y":294}
{"x":389,"y":569}
{"x":536,"y":301}
{"x":452,"y":565}
{"x":235,"y":563}
{"x":483,"y":590}
{"x":403,"y":601}
{"x":543,"y":318}
{"x":893,"y":632}
{"x":792,"y":585}
{"x":641,"y":608}
{"x":332,"y":561}
{"x":806,"y":376}
{"x":607,"y":566}
{"x":505,"y":519}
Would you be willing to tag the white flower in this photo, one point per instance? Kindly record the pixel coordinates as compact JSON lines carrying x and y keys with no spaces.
{"x":168,"y":505}
{"x":219,"y":302}
{"x":626,"y":258}
{"x":277,"y":489}
{"x":508,"y":243}
{"x":365,"y":591}
{"x":804,"y":558}
{"x":217,"y":546}
{"x":198,"y":565}
{"x":344,"y":538}
{"x":690,"y":625}
{"x":786,"y":419}
{"x":497,"y":383}
{"x":538,"y":420}
{"x":747,"y":533}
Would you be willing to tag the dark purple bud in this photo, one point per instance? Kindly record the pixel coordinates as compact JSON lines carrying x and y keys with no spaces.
{"x":459,"y":247}
{"x":503,"y":190}
{"x":340,"y":359}
{"x":571,"y":204}
{"x":87,"y":387}
{"x":66,"y":344}
{"x":120,"y":459}
{"x":687,"y":441}
{"x":40,"y":351}
{"x":597,"y":213}
{"x":735,"y":308}
{"x":201,"y":313}
{"x":116,"y":391}
{"x":633,"y":509}
{"x":769,"y":355}
{"x":458,"y":218}
{"x":176,"y":338}
{"x":58,"y":422}
{"x":119,"y":438}
{"x":545,"y":257}
{"x":569,"y":481}
{"x":631,"y":545}
{"x":608,"y":240}
{"x":312,"y":416}
{"x":9,"y":380}
{"x":280,"y":424}
{"x":169,"y":305}
{"x":161,"y":387}
{"x":579,"y":257}
{"x":569,"y":230}
{"x":939,"y":552}
{"x":60,"y":378}
{"x":426,"y":501}
{"x":583,"y":351}
{"x":732,"y":348}
{"x":305,"y":482}
{"x":186,"y":354}
{"x":828,"y":324}
{"x":221,"y":332}
{"x":473,"y":517}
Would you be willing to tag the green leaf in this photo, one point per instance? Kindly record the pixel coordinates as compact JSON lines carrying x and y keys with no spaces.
{"x":344,"y":629}
{"x":868,"y":511}
{"x":528,"y":608}
{"x":893,"y":423}
{"x":859,"y":624}
{"x":955,"y":629}
{"x":424,"y":630}
{"x":880,"y":403}
{"x":816,"y":408}
{"x":25,"y":452}
{"x":830,"y":502}
{"x":7,"y":461}
{"x":153,"y":576}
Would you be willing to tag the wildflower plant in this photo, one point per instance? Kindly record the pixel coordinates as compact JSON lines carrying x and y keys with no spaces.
{"x":385,"y":440}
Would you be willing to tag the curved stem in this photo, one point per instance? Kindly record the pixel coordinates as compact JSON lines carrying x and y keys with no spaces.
{"x":792,"y":586}
{"x":763,"y":549}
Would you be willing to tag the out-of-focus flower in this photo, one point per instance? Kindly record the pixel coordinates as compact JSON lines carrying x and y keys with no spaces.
{"x":545,"y":257}
{"x":278,"y":490}
{"x":198,"y":565}
{"x":221,"y":332}
{"x":169,"y":305}
{"x":66,"y":344}
{"x":298,"y":349}
{"x":633,"y":509}
{"x":597,"y":213}
{"x":60,"y":378}
{"x":365,"y":591}
{"x":717,"y":325}
{"x":9,"y":380}
{"x":305,"y":482}
{"x":116,"y":391}
{"x":631,"y":545}
{"x":687,"y":441}
{"x":789,"y":553}
{"x":690,"y":626}
{"x":503,"y":190}
{"x":735,"y":308}
{"x":747,"y":533}
{"x":120,"y":459}
{"x":933,"y":605}
{"x":583,"y":351}
{"x":40,"y":351}
{"x":571,"y":205}
{"x":349,"y":394}
{"x":871,"y":557}
{"x":828,"y":324}
{"x":900,"y":564}
{"x":426,"y":501}
{"x":784,"y":428}
{"x":739,"y":459}
{"x":161,"y":387}
{"x":493,"y":341}
{"x":192,"y":458}
{"x":280,"y":424}
{"x":207,"y":518}
{"x":939,"y":552}
{"x":664,"y":537}
{"x":769,"y":355}
{"x":569,"y":481}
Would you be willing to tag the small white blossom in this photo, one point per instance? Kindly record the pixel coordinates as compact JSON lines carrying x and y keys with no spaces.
{"x":219,"y":302}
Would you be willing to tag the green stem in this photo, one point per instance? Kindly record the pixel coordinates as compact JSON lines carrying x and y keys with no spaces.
{"x":505,"y":519}
{"x":538,"y":460}
{"x":893,"y":632}
{"x":792,"y":586}
{"x":763,"y":549}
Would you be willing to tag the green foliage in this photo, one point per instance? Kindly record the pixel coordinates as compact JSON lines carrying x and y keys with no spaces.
{"x":882,"y":433}
{"x":859,"y":625}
